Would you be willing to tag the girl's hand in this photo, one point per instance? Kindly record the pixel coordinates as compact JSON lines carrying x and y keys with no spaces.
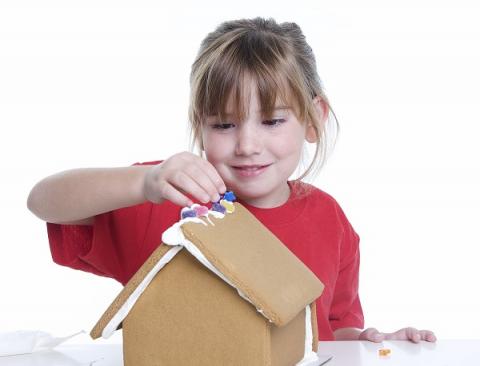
{"x":410,"y":334}
{"x":181,"y":174}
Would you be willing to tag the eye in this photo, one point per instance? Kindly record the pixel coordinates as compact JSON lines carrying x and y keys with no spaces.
{"x":222,"y":126}
{"x":273,"y":122}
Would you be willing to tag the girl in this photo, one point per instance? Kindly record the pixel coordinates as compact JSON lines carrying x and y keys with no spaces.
{"x":256,"y":98}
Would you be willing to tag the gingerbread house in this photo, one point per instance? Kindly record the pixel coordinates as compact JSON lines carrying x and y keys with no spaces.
{"x":220,"y":290}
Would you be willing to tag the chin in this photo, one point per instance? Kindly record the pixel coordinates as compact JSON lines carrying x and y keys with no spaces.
{"x":250,"y":195}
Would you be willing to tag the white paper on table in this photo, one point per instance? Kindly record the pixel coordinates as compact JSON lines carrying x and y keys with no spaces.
{"x":317,"y":361}
{"x":324,"y":359}
{"x":27,"y":341}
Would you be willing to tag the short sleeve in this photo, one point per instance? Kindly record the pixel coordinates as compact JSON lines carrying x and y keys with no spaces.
{"x":346,"y":309}
{"x":110,"y":247}
{"x":70,"y":242}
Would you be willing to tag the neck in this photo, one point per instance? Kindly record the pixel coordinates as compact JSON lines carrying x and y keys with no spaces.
{"x":277,"y":198}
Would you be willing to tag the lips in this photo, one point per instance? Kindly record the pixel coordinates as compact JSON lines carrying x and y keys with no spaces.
{"x":250,"y":171}
{"x":251,"y":167}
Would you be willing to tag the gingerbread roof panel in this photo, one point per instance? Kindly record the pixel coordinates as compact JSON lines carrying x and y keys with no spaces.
{"x":257,"y":263}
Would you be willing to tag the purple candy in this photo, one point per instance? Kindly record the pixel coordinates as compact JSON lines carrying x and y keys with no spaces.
{"x":188,"y":213}
{"x":218,"y":207}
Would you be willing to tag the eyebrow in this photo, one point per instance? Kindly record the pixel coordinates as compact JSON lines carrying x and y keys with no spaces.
{"x":275,"y":109}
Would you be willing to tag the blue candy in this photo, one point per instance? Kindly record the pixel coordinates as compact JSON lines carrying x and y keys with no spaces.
{"x":229,"y":196}
{"x":188,"y":213}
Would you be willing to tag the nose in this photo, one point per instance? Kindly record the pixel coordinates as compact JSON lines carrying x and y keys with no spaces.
{"x":249,"y":141}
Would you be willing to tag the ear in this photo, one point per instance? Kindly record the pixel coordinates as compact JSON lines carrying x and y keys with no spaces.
{"x":311,"y":134}
{"x":321,"y":108}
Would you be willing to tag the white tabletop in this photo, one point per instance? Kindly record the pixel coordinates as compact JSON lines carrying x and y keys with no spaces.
{"x":441,"y":353}
{"x":70,"y":355}
{"x":346,"y":353}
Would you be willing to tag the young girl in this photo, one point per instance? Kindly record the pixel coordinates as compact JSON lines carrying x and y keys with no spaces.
{"x":256,"y":98}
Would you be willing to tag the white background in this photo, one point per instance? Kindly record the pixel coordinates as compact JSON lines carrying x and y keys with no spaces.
{"x":105,"y":83}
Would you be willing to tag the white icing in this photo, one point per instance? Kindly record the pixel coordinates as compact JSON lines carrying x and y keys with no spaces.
{"x":174,"y":237}
{"x":310,"y":358}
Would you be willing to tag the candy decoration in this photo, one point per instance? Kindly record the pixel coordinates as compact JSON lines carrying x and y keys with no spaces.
{"x":224,"y":205}
{"x":187,"y":212}
{"x":201,"y":210}
{"x":228,"y":205}
{"x":384,"y":352}
{"x":229,"y":196}
{"x":218,"y":207}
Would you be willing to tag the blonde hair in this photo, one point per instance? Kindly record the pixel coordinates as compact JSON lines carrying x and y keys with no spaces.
{"x":280,"y":62}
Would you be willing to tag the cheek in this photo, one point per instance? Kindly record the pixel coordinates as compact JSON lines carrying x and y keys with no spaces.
{"x":216,"y":147}
{"x":289,"y":144}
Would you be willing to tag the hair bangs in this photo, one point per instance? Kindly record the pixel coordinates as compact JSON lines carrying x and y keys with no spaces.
{"x":278,"y":84}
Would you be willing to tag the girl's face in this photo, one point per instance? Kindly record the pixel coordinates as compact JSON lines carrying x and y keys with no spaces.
{"x":256,"y":156}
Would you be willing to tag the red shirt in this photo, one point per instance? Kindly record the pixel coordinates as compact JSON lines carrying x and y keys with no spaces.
{"x":311,"y":225}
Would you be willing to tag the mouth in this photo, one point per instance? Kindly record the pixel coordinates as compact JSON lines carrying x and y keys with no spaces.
{"x":250,"y":171}
{"x":250,"y":167}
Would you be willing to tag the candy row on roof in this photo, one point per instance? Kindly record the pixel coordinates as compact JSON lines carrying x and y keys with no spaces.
{"x":223,"y":205}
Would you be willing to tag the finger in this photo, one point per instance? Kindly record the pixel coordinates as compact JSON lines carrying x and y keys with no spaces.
{"x":413,"y":334}
{"x":399,"y":335}
{"x":175,"y":196}
{"x":428,"y":336}
{"x":185,"y":184}
{"x":203,"y":182}
{"x":214,"y":177}
{"x":197,"y":168}
{"x":208,"y":178}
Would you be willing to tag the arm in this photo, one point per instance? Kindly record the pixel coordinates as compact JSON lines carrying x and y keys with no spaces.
{"x":75,"y":196}
{"x":347,"y":334}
